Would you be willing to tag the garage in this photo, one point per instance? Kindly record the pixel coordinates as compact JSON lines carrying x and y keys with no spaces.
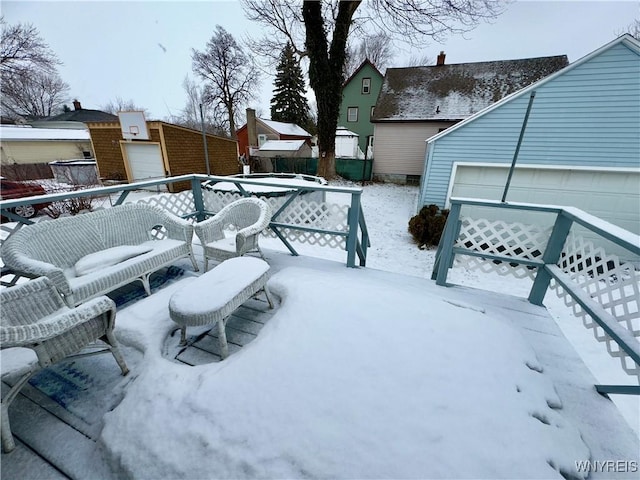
{"x":143,"y":161}
{"x":612,"y":194}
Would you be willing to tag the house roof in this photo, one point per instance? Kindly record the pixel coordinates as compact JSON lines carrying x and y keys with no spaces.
{"x":362,"y":65}
{"x":282,"y":145}
{"x":285,"y":128}
{"x":456,"y":91}
{"x":625,"y":39}
{"x":82,"y":115}
{"x":15,"y":133}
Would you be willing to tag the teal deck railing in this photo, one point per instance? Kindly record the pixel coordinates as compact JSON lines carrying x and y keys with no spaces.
{"x":601,"y":287}
{"x":341,"y":225}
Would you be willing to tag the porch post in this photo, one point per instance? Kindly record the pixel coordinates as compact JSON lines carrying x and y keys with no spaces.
{"x":353,"y":221}
{"x":196,"y":189}
{"x":448,"y":239}
{"x":550,"y":256}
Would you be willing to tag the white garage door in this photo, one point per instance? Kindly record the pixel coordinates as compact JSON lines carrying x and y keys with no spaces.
{"x":611,"y":195}
{"x":145,"y":161}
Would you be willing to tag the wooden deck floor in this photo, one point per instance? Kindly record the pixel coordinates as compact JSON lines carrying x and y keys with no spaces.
{"x":33,"y":412}
{"x":70,"y":448}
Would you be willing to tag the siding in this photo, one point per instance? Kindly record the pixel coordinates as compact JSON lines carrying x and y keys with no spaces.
{"x":399,"y":148}
{"x":105,"y":139}
{"x":44,"y":151}
{"x":586,"y":116}
{"x":352,"y":96}
{"x":183,"y":151}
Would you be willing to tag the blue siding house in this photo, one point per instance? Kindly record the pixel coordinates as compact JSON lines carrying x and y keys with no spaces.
{"x":581,"y":146}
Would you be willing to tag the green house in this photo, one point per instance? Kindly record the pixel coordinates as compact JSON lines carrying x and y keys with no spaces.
{"x":359,"y":96}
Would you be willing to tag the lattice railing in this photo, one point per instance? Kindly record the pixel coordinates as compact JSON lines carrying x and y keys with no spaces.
{"x":301,"y":213}
{"x":180,"y":204}
{"x":497,"y":237}
{"x":602,"y":290}
{"x":613,"y":284}
{"x":304,"y":219}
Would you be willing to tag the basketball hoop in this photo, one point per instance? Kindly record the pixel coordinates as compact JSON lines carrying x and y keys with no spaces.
{"x":133,"y":126}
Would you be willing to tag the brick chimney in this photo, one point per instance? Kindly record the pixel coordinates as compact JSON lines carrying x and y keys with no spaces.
{"x":76,"y":105}
{"x":252,"y":130}
{"x":440,"y":60}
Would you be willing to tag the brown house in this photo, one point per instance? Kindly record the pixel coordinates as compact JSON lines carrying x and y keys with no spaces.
{"x":257,"y":131}
{"x":171,"y":150}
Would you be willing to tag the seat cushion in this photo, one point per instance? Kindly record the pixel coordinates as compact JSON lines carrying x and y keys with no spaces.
{"x":108,"y":257}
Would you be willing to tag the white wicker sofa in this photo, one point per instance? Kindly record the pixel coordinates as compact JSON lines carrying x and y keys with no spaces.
{"x":94,"y":253}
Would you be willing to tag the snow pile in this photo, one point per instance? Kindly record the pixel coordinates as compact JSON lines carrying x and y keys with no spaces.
{"x":386,"y":380}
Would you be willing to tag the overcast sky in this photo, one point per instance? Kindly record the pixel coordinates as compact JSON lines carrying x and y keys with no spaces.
{"x":141,"y":51}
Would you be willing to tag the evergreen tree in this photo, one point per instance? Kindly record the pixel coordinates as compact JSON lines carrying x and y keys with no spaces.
{"x":289,"y":103}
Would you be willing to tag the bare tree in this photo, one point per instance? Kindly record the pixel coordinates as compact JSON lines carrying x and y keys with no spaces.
{"x":33,"y":94}
{"x":23,"y":50}
{"x":29,"y":82}
{"x":121,"y":105}
{"x":230,"y":76}
{"x":419,"y":60}
{"x":377,"y":48}
{"x":189,"y":116}
{"x":632,"y":29}
{"x":319,"y":31}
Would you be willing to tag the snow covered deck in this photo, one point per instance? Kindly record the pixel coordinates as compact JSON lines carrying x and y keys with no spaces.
{"x":397,"y":378}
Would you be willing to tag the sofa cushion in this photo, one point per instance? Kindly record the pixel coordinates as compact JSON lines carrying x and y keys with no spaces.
{"x":106,"y":258}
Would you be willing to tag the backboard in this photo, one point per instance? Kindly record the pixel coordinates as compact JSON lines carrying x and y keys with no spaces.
{"x":133,"y":126}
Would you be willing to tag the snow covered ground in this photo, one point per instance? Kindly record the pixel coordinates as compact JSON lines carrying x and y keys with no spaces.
{"x":363,"y":374}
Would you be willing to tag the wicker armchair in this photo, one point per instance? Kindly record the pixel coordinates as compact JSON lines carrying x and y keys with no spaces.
{"x":248,"y":216}
{"x":35,"y":317}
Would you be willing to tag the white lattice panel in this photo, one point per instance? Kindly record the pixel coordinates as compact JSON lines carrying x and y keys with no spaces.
{"x":498,"y":237}
{"x":609,"y":282}
{"x":179,"y":204}
{"x":487,"y":266}
{"x":328,"y":216}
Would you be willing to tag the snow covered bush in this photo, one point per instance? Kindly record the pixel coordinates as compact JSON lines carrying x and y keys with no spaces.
{"x":427,"y":226}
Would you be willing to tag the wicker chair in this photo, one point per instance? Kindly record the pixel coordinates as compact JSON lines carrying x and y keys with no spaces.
{"x":35,"y":317}
{"x":248,"y":216}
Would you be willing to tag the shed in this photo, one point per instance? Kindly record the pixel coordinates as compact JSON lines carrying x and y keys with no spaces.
{"x":581,"y":146}
{"x":257,"y":131}
{"x":284,"y":148}
{"x":171,"y":150}
{"x":347,"y":144}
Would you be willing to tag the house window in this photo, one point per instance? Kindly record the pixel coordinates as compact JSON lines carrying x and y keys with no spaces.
{"x":352,"y":114}
{"x":366,"y":86}
{"x":370,"y":141}
{"x":372,"y":112}
{"x":262,"y":138}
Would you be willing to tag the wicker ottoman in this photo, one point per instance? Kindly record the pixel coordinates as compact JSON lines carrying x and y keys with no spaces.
{"x":215,"y":295}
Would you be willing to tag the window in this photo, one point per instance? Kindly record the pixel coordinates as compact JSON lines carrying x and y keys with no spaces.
{"x":352,"y":114}
{"x":370,"y":141}
{"x":372,"y":112}
{"x":366,"y":86}
{"x":262,"y":138}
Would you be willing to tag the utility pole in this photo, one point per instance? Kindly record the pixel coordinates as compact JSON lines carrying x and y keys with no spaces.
{"x":204,"y":140}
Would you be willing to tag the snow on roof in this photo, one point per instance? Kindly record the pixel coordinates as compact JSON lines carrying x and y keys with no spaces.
{"x":343,"y":132}
{"x":285,"y":128}
{"x":457,"y":91}
{"x":43,"y":134}
{"x":288,"y":145}
{"x":626,"y":39}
